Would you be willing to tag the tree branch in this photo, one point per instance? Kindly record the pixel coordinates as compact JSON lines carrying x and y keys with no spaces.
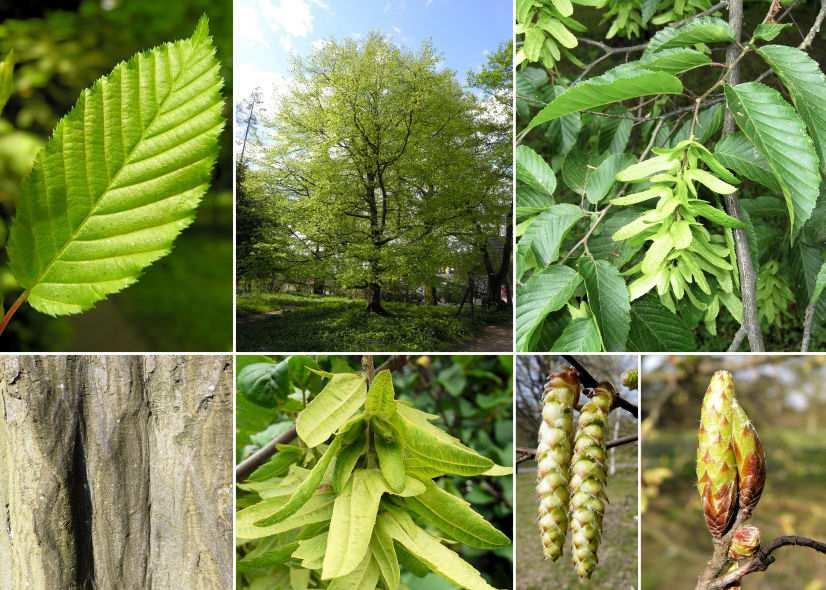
{"x":617,"y":442}
{"x":748,"y":280}
{"x":763,"y":558}
{"x":808,"y":324}
{"x":589,"y":381}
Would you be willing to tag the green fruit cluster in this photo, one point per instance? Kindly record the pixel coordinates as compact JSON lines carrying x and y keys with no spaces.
{"x":689,"y":246}
{"x":773,"y":295}
{"x":546,"y":27}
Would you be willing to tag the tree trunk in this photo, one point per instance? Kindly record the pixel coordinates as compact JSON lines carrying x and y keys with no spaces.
{"x":116,"y":472}
{"x":374,"y":299}
{"x":431,"y":297}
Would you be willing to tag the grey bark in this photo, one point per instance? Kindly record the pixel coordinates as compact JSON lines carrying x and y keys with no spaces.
{"x":115,"y":472}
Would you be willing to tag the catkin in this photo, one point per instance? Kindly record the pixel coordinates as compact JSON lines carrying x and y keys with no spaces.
{"x":553,"y":455}
{"x":588,"y":480}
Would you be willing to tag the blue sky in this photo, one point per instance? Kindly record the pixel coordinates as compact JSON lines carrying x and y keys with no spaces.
{"x":267,"y":31}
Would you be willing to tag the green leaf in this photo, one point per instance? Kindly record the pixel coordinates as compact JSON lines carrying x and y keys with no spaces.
{"x":676,"y":60}
{"x":319,"y":508}
{"x":6,"y":79}
{"x":545,"y":233}
{"x":545,"y":292}
{"x":266,"y":555}
{"x":311,"y":551}
{"x":533,"y":171}
{"x":806,"y":83}
{"x":331,"y":408}
{"x":708,"y":124}
{"x":384,"y":554}
{"x":768,"y":31}
{"x":441,"y":560}
{"x":120,"y":177}
{"x":390,"y":455}
{"x":278,"y":464}
{"x":736,"y":152}
{"x":707,"y":29}
{"x":608,"y":299}
{"x":433,"y":451}
{"x":347,"y":459}
{"x":530,"y":202}
{"x":381,"y":397}
{"x":820,"y":285}
{"x":777,"y":132}
{"x":580,"y":335}
{"x":455,"y":518}
{"x":264,"y":383}
{"x":655,"y":329}
{"x":366,"y":575}
{"x":621,"y":83}
{"x":601,"y":181}
{"x":351,"y":527}
{"x":305,"y":491}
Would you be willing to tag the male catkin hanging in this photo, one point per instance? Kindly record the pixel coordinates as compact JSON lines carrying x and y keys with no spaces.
{"x":588,"y":480}
{"x":553,"y":455}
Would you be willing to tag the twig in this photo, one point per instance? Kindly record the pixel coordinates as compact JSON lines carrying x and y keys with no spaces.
{"x":763,"y":558}
{"x":808,"y":324}
{"x":748,"y":291}
{"x":259,"y":457}
{"x":12,"y":310}
{"x":608,"y":52}
{"x":815,"y":28}
{"x":617,"y":442}
{"x":737,"y":340}
{"x":589,"y":381}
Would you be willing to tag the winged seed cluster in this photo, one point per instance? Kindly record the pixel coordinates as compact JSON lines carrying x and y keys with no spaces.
{"x":684,"y":258}
{"x":571,"y":475}
{"x":731,"y":463}
{"x":342,"y":509}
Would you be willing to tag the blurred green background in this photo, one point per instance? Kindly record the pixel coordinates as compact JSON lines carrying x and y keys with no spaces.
{"x":472,"y":394}
{"x":617,"y":568}
{"x":785,"y":397}
{"x":182,"y":302}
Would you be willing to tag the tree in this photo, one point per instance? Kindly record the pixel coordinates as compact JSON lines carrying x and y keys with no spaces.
{"x":376,"y":152}
{"x":116,"y":470}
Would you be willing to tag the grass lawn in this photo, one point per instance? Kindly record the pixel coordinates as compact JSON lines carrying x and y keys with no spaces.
{"x":283,"y":322}
{"x":675,"y":542}
{"x":617,"y":569}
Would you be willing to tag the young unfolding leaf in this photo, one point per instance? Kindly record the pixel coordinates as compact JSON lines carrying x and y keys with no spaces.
{"x":120,"y":177}
{"x":438,"y":558}
{"x":381,"y":398}
{"x":311,"y":551}
{"x":319,"y":508}
{"x":278,"y":487}
{"x":454,"y":517}
{"x":331,"y":408}
{"x":366,"y":575}
{"x":351,"y":528}
{"x":384,"y":554}
{"x":433,"y":451}
{"x":390,"y":454}
{"x":306,"y":490}
{"x":347,"y":459}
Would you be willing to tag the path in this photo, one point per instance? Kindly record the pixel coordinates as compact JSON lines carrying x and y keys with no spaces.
{"x":492,"y":338}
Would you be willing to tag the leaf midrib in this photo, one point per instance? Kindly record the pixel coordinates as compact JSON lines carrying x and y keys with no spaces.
{"x":93,"y":210}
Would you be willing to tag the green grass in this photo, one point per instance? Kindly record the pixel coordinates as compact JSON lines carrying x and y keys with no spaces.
{"x":617,"y":567}
{"x":676,"y":543}
{"x":337,"y":324}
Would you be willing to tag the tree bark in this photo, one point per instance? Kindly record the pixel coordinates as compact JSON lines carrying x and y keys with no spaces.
{"x":116,"y":472}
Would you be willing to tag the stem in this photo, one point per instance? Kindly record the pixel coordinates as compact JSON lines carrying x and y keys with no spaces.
{"x":808,"y":323}
{"x":748,"y":280}
{"x":259,"y":457}
{"x":12,"y":310}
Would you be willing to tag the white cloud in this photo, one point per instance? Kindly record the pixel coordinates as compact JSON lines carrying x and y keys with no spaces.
{"x":319,"y":44}
{"x":258,"y":22}
{"x":247,"y":77}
